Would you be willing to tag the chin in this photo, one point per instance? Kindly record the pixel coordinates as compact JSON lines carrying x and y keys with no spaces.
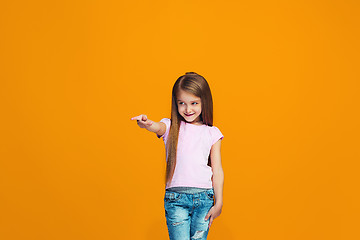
{"x":187,"y":119}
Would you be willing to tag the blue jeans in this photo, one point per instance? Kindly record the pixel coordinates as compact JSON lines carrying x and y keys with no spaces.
{"x":185,"y":214}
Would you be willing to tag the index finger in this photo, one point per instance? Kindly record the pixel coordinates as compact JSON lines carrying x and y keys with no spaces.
{"x":136,"y":118}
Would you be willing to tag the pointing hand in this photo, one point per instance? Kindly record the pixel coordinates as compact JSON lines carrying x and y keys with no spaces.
{"x":143,"y":121}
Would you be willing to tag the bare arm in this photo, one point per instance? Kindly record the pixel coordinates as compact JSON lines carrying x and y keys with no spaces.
{"x":218,"y":173}
{"x":218,"y":182}
{"x":157,"y":127}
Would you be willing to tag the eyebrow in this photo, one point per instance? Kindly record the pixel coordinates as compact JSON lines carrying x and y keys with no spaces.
{"x":197,"y":100}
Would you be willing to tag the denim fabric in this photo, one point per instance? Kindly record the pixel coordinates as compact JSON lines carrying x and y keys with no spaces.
{"x":191,"y":190}
{"x":185,"y":213}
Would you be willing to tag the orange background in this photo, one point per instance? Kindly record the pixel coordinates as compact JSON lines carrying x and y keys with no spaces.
{"x":285,"y":81}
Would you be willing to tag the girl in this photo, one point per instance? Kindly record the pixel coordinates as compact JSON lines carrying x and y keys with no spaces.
{"x":193,"y":172}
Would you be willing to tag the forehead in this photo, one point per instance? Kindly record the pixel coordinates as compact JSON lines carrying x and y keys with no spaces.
{"x":186,"y":96}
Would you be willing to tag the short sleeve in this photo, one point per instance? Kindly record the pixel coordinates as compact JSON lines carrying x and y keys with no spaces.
{"x":215,"y":135}
{"x":167,"y":122}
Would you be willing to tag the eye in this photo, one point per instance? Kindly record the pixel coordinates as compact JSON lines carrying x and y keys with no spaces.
{"x":195,"y":103}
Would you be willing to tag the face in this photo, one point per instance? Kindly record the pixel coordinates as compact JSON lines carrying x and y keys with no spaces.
{"x":189,"y":106}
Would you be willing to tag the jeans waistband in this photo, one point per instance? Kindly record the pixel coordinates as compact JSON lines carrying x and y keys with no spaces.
{"x":188,"y":190}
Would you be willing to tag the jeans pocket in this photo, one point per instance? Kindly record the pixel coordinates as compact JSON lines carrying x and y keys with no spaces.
{"x":210,"y":194}
{"x":172,"y":196}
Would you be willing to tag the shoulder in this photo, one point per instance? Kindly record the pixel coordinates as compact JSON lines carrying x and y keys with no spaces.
{"x":215,"y":134}
{"x":214,"y":129}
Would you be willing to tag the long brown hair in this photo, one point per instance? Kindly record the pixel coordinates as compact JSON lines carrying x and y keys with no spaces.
{"x":195,"y":84}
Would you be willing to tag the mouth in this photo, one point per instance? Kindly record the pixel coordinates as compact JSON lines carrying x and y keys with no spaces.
{"x":188,"y":115}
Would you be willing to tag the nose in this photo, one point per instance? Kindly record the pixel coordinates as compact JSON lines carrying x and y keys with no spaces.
{"x":188,"y":109}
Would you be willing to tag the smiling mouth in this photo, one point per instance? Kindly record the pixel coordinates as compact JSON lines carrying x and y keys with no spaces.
{"x":189,"y":115}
